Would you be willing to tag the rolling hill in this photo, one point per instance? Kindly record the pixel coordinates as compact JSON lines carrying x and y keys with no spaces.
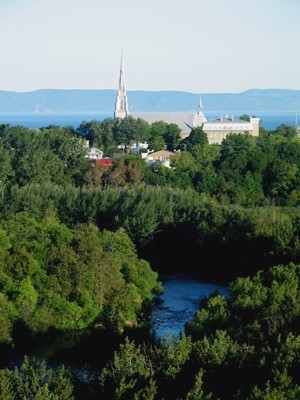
{"x":75,"y":101}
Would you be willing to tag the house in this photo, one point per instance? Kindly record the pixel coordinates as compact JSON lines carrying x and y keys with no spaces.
{"x":95,"y":154}
{"x":163,"y":157}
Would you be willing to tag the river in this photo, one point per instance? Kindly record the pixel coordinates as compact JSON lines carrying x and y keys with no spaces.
{"x":91,"y":349}
{"x":179,"y":302}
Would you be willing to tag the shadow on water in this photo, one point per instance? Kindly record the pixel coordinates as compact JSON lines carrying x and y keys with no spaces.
{"x":89,"y":350}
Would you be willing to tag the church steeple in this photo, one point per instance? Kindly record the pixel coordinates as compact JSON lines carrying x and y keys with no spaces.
{"x":199,"y":118}
{"x":121,"y":108}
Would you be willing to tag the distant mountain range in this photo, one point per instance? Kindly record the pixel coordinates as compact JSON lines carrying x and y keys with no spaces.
{"x":103,"y":101}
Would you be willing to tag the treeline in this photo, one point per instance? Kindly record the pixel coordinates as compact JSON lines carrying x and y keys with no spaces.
{"x":52,"y":154}
{"x":172,"y":228}
{"x":242,"y":170}
{"x":241,"y":347}
{"x":110,"y":133}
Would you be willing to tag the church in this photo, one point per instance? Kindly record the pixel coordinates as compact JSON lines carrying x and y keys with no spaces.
{"x":216,"y":129}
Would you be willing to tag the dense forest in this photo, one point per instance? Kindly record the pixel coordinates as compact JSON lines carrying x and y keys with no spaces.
{"x":82,"y":246}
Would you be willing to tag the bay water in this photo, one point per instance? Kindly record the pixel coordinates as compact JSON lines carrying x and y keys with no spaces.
{"x":269,"y":120}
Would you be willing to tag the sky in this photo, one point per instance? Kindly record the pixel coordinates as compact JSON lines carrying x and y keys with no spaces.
{"x":198,"y":46}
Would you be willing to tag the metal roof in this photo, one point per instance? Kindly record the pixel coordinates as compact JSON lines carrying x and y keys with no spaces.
{"x":183,"y":120}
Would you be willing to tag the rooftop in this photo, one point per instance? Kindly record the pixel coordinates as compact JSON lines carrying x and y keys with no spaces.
{"x":183,"y":120}
{"x":228,"y":120}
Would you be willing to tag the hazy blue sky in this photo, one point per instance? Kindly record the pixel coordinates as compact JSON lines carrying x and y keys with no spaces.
{"x":199,"y":46}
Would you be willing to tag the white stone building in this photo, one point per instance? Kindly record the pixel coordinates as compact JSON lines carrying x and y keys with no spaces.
{"x":218,"y":129}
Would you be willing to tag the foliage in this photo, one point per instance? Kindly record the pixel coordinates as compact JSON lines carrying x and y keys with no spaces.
{"x":243,"y":346}
{"x":34,"y":381}
{"x":242,"y":170}
{"x":129,"y":375}
{"x":72,"y":237}
{"x":52,"y":276}
{"x":51,"y":154}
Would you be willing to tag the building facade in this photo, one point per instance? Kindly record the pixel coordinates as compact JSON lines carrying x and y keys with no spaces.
{"x":218,"y":129}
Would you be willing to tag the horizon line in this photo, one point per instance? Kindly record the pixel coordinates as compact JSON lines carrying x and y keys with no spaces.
{"x":147,"y":90}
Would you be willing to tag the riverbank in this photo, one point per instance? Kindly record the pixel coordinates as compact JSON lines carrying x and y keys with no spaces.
{"x":90,"y":349}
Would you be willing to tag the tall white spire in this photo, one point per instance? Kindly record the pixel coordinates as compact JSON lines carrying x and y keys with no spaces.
{"x":121,"y":107}
{"x":199,"y":118}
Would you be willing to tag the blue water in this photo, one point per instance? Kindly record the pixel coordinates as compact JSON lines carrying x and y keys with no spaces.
{"x":179,"y":302}
{"x":35,"y":121}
